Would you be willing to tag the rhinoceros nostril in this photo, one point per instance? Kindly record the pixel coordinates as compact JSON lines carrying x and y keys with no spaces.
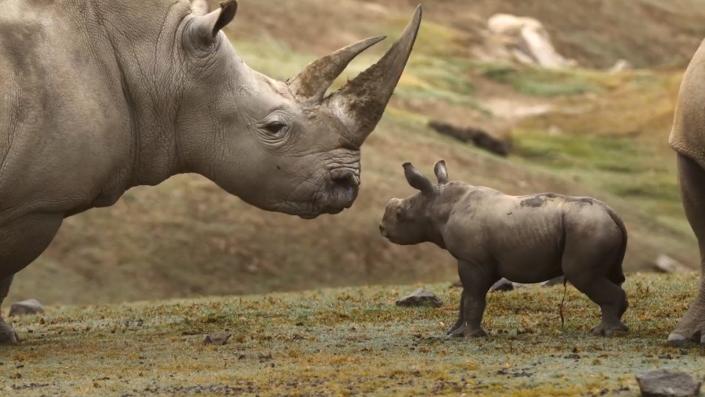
{"x":345,"y":179}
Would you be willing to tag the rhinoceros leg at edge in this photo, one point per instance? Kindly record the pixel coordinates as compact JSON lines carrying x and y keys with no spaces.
{"x":8,"y":336}
{"x":22,"y":241}
{"x":691,"y":327}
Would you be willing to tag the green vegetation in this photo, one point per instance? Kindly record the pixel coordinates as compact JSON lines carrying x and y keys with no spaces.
{"x":538,"y":82}
{"x":348,"y":342}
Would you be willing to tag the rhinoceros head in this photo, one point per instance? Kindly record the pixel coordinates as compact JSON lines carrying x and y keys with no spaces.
{"x":410,"y":221}
{"x":286,"y":146}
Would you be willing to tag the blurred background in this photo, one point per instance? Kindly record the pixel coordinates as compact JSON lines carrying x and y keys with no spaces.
{"x":523,"y":96}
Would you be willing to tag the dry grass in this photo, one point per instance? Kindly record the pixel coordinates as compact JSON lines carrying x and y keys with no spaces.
{"x":347,"y":342}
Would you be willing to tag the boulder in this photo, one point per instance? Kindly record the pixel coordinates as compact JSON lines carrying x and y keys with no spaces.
{"x":25,"y":307}
{"x":420,"y":297}
{"x":502,"y":285}
{"x":666,"y":264}
{"x":668,"y":383}
{"x":554,"y":281}
{"x":527,"y":40}
{"x":219,"y":338}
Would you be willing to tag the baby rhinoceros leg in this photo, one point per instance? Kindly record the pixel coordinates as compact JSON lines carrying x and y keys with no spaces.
{"x":613,"y":303}
{"x":477,"y":280}
{"x":595,"y":242}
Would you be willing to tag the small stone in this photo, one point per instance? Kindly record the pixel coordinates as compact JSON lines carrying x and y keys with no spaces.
{"x":668,"y":383}
{"x":29,"y":306}
{"x":219,"y":338}
{"x":420,"y":297}
{"x":554,"y":281}
{"x":502,"y":285}
{"x":666,"y":264}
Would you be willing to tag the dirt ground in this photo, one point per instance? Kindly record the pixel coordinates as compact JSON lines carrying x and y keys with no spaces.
{"x":348,"y":342}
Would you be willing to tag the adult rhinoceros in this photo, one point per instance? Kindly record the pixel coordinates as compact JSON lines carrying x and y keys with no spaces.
{"x":97,"y":96}
{"x":688,"y":139}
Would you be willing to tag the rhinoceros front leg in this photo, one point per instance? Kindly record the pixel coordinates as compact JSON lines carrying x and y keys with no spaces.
{"x":692,"y":181}
{"x":476,"y":280}
{"x":21,"y":241}
{"x":8,"y":336}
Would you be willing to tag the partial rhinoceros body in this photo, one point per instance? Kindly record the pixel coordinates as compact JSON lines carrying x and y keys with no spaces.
{"x":688,"y":139}
{"x":97,"y":96}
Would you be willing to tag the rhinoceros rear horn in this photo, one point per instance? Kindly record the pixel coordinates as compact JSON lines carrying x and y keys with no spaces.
{"x":416,"y":179}
{"x":204,"y":28}
{"x":361,"y":102}
{"x":313,"y":82}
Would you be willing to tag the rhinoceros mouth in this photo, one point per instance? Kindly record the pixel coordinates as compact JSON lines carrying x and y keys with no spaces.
{"x":331,"y":203}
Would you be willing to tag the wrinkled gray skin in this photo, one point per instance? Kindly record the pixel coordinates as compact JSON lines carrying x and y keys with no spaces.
{"x":526,"y":239}
{"x":688,"y":139}
{"x":97,"y":96}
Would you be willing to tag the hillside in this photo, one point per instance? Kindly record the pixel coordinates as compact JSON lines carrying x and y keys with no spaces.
{"x":583,"y":132}
{"x":352,"y":341}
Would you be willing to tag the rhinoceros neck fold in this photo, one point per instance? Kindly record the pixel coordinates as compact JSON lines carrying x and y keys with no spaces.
{"x":143,"y":37}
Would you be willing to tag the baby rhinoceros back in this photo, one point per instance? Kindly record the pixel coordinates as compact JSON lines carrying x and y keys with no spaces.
{"x":537,"y":237}
{"x":525,"y":239}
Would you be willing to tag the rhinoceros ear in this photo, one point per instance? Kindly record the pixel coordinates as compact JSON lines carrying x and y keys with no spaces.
{"x":441,"y":172}
{"x":204,"y":29}
{"x":416,"y":180}
{"x":199,"y":7}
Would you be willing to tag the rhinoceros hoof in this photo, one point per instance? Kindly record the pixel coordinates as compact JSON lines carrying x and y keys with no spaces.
{"x":8,"y":336}
{"x":677,"y":340}
{"x":610,"y":330}
{"x":464,"y":331}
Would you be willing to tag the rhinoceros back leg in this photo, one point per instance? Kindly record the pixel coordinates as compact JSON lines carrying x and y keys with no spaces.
{"x":587,"y":263}
{"x":692,"y":181}
{"x":22,"y":241}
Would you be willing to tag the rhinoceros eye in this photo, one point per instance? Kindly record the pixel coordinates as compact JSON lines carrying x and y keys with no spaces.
{"x":276,"y":127}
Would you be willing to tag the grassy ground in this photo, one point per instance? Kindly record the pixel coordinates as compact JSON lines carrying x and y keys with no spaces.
{"x":347,"y":342}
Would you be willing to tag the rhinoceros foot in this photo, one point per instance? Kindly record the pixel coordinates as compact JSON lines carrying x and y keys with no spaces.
{"x":8,"y":336}
{"x":677,"y":339}
{"x":466,"y":331}
{"x":610,"y":330}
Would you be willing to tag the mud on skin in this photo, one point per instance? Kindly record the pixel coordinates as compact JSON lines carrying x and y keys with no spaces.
{"x":525,"y":239}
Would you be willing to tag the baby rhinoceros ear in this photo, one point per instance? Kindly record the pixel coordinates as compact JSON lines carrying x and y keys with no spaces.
{"x":416,"y":180}
{"x":441,"y":172}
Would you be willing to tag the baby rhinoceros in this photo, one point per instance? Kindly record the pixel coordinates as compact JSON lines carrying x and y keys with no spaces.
{"x":526,"y":239}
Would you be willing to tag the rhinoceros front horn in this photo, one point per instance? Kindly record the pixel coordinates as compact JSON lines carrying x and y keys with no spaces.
{"x":313,"y":82}
{"x":361,"y":102}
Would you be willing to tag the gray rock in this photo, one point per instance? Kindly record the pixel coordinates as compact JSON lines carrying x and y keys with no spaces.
{"x":554,"y":281}
{"x":219,"y":338}
{"x":502,"y":285}
{"x":29,"y":306}
{"x":666,"y":264}
{"x":420,"y":297}
{"x":668,"y":383}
